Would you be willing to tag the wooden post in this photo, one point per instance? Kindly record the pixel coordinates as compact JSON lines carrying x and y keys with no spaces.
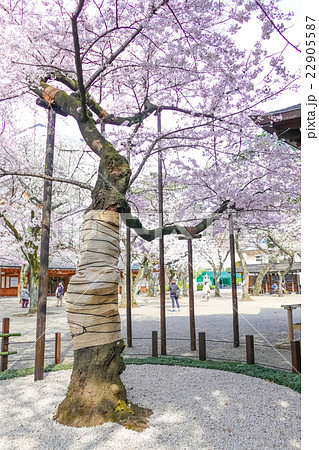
{"x":44,"y":252}
{"x":202,"y":346}
{"x":250,"y":352}
{"x":57,"y":348}
{"x":191,"y":296}
{"x":295,"y":357}
{"x":191,"y":287}
{"x":128,"y":289}
{"x":161,"y":243}
{"x":5,"y":343}
{"x":128,"y":271}
{"x":233,"y":281}
{"x":290,"y":325}
{"x":154,"y":344}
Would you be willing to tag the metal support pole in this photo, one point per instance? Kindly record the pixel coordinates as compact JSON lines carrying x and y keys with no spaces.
{"x":5,"y":343}
{"x":191,"y":296}
{"x":202,"y":346}
{"x":44,"y":253}
{"x":128,"y":289}
{"x":161,"y":243}
{"x":233,"y":281}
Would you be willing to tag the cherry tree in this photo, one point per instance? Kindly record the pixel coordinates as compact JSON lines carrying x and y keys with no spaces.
{"x":283,"y":246}
{"x":20,"y":209}
{"x":214,"y":249}
{"x":110,"y":66}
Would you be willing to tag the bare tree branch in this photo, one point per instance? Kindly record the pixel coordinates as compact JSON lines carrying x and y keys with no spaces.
{"x":123,"y":46}
{"x":46,"y":177}
{"x":77,"y":56}
{"x":275,"y":26}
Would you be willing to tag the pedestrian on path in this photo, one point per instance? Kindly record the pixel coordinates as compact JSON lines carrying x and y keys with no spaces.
{"x":25,"y":296}
{"x":59,"y":294}
{"x":274,"y":288}
{"x":174,"y":293}
{"x":206,"y":291}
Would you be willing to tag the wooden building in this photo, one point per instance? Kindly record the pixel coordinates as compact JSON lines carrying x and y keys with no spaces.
{"x":10,"y":276}
{"x":10,"y":281}
{"x":59,"y":271}
{"x":292,"y":279}
{"x":284,"y":123}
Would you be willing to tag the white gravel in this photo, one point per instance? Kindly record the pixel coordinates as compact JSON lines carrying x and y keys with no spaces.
{"x":193,"y":409}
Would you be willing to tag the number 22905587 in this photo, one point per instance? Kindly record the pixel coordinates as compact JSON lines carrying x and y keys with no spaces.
{"x":310,"y":47}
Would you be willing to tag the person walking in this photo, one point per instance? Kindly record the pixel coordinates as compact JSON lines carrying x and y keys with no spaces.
{"x":174,"y":293}
{"x":59,"y":294}
{"x":25,"y":296}
{"x":206,"y":291}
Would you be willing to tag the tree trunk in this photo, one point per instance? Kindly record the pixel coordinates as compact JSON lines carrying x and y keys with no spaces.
{"x":150,"y":281}
{"x":34,"y":285}
{"x":140,"y":275}
{"x":95,"y":393}
{"x":217,"y":284}
{"x":260,"y":277}
{"x":290,"y":254}
{"x":281,"y":277}
{"x":184,"y":278}
{"x":245,"y":286}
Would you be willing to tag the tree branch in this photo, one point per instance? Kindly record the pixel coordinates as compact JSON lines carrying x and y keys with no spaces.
{"x":11,"y":228}
{"x":46,"y":177}
{"x":275,"y":26}
{"x":77,"y":56}
{"x":123,"y":46}
{"x":149,"y":235}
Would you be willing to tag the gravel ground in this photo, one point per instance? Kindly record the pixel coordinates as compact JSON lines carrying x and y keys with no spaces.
{"x":193,"y":409}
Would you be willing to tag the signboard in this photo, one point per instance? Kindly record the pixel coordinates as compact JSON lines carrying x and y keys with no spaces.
{"x":14,"y":282}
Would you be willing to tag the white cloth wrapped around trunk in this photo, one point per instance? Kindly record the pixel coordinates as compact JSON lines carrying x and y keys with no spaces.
{"x":92,"y":294}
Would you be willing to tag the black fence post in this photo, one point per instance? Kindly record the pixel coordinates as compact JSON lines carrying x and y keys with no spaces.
{"x":154,"y":344}
{"x":250,"y":351}
{"x":202,"y":346}
{"x":295,"y":357}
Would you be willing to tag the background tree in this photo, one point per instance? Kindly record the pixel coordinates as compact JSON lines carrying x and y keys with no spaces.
{"x":215,"y":249}
{"x":21,"y":205}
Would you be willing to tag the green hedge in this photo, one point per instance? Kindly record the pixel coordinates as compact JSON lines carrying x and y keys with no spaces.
{"x":277,"y":376}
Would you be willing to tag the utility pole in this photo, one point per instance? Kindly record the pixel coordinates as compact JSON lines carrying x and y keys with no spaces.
{"x":161,"y":242}
{"x":44,"y":252}
{"x":233,"y":281}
